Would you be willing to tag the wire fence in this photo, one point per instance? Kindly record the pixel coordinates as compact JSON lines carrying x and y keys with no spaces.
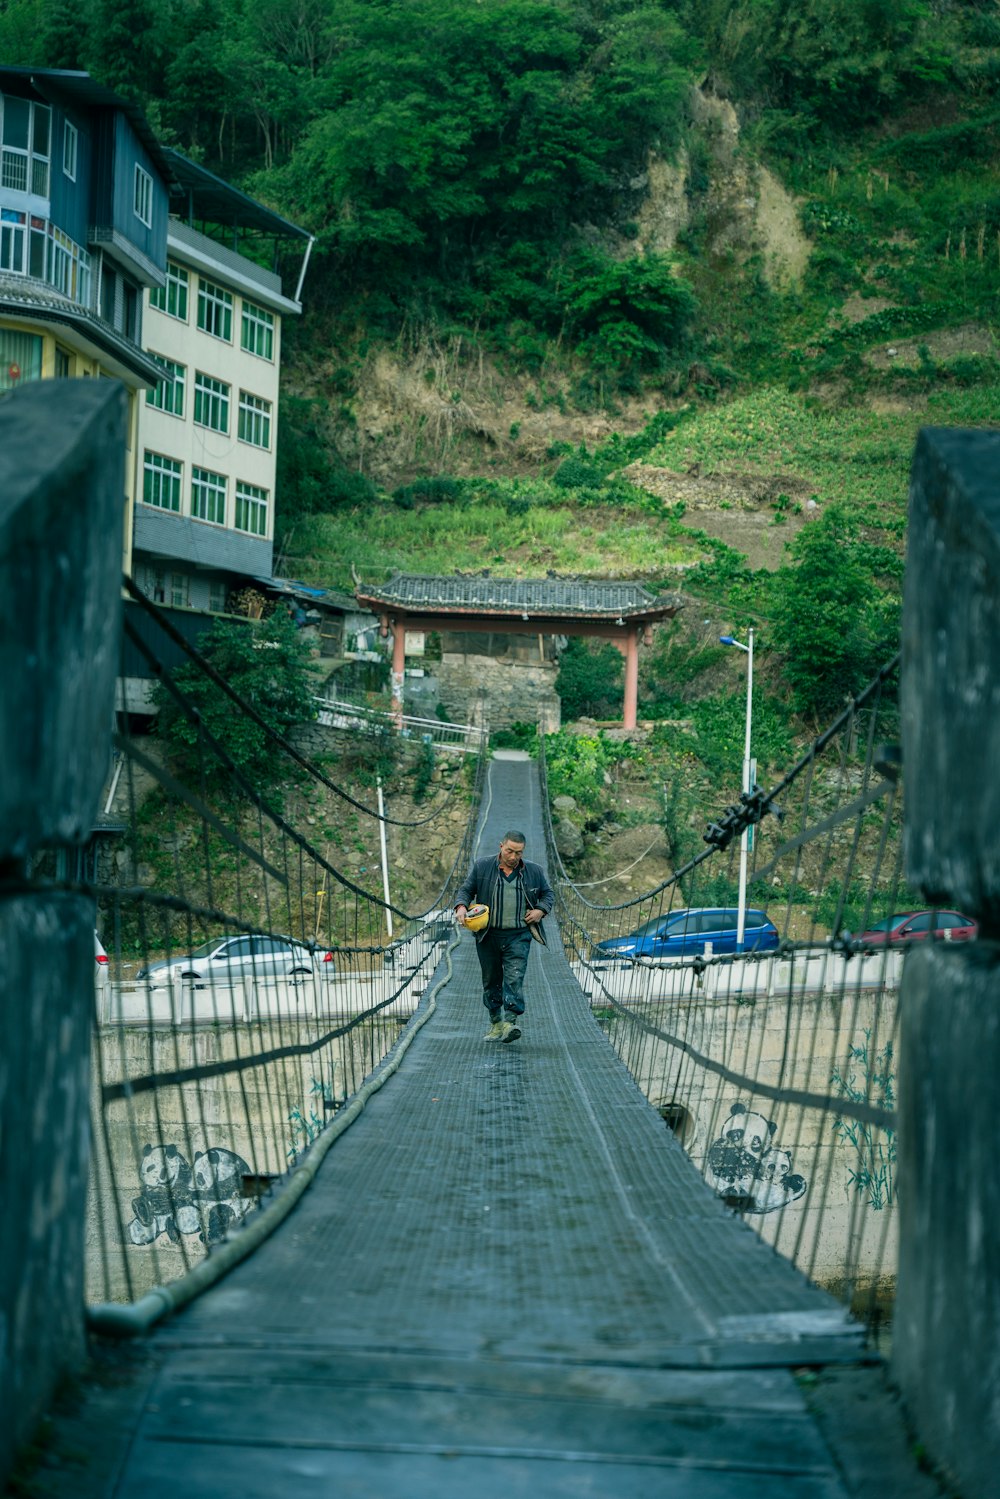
{"x":254,"y":977}
{"x":774,"y":1061}
{"x":258,"y":978}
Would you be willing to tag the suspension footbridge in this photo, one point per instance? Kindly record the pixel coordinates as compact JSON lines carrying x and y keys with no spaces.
{"x":375,"y":1254}
{"x":506,"y":1277}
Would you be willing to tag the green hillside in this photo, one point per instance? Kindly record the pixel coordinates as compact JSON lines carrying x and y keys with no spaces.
{"x":639,"y":288}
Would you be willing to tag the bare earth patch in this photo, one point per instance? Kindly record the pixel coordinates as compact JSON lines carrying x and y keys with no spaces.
{"x":941,"y":344}
{"x":745,"y":510}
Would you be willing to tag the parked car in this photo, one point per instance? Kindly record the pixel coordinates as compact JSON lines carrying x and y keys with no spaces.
{"x":102,"y":973}
{"x":228,"y":960}
{"x":685,"y":933}
{"x":917,"y":926}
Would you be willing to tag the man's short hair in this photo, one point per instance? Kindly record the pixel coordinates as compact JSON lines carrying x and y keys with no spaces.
{"x":513,"y":836}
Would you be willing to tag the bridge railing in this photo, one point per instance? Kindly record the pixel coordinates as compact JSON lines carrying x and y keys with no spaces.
{"x":259,"y":985}
{"x":338,"y":713}
{"x":775,"y":1067}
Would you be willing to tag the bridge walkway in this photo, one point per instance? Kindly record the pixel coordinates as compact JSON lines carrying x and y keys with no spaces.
{"x":507,"y":1279}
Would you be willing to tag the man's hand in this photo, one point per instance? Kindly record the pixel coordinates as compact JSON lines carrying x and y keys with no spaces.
{"x":534,"y":914}
{"x":460,"y":914}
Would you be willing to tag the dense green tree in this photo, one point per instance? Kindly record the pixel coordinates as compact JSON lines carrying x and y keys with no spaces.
{"x":832,"y":620}
{"x":841,"y":61}
{"x":63,"y":35}
{"x":438,"y":126}
{"x":628,"y":313}
{"x":589,"y":680}
{"x":266,"y":662}
{"x":21,"y":22}
{"x":128,"y":46}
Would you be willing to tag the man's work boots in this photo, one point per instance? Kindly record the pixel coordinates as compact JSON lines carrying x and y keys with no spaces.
{"x":509,"y":1031}
{"x":496,"y":1030}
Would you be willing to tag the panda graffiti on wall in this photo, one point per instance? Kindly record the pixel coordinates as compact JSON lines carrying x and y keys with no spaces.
{"x":175,"y":1199}
{"x":747,"y":1169}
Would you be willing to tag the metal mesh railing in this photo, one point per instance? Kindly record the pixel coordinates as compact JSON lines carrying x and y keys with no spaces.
{"x":775,"y":1065}
{"x":258,"y":972}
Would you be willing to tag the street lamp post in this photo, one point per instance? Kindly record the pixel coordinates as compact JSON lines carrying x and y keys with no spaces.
{"x":741,"y":917}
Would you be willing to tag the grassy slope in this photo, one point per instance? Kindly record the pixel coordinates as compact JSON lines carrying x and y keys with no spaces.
{"x":847,"y":452}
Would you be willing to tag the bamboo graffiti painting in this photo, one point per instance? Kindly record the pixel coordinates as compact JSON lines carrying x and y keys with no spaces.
{"x":869,"y":1077}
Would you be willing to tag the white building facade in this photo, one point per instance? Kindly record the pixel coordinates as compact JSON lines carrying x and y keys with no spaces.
{"x":207,"y":443}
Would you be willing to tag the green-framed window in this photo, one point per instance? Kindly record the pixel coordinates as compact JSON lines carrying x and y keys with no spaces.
{"x":208,"y":496}
{"x":211,"y":403}
{"x":215,"y":310}
{"x":168,"y":395}
{"x":161,"y":481}
{"x":257,"y":331}
{"x":255,"y":420}
{"x":251,"y":509}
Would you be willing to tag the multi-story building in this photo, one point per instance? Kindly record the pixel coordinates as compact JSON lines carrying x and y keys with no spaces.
{"x":83,"y":235}
{"x":204,"y":520}
{"x":120,"y":258}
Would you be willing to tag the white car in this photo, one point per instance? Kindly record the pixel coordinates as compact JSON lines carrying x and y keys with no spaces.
{"x":102,"y":966}
{"x":228,"y":960}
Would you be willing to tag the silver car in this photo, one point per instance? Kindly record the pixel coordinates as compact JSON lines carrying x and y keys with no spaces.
{"x":228,"y":960}
{"x":101,"y":964}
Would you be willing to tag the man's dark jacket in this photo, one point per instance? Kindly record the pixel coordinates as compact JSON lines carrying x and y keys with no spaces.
{"x":533,"y":891}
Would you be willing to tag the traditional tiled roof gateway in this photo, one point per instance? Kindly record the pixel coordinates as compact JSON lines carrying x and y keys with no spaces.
{"x":538,"y":597}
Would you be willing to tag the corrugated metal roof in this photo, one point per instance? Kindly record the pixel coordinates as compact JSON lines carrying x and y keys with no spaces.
{"x":535,"y":596}
{"x":219,"y":202}
{"x":22,"y":296}
{"x":294,"y":587}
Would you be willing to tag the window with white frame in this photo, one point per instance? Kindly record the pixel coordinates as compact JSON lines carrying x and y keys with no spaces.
{"x":69,"y":150}
{"x":211,"y":403}
{"x":142,"y":201}
{"x":255,"y":420}
{"x":251,"y":509}
{"x":13,"y":240}
{"x":168,"y":395}
{"x":32,"y":246}
{"x":215,"y":310}
{"x":208,"y":496}
{"x":41,"y":132}
{"x":25,"y":130}
{"x":257,"y":331}
{"x":218,"y":596}
{"x":161,"y":481}
{"x":172,"y":298}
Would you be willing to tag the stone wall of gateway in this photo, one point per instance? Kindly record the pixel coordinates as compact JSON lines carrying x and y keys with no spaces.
{"x":514,"y":691}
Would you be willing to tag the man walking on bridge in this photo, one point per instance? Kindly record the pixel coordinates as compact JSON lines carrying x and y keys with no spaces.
{"x":518,"y":896}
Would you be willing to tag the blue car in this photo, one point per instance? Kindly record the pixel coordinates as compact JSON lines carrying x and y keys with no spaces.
{"x":684,"y":934}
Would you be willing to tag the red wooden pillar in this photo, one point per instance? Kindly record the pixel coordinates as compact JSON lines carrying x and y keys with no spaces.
{"x":631,"y":677}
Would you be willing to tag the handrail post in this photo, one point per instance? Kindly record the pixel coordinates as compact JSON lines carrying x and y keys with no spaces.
{"x":62,"y":503}
{"x":947,"y":1317}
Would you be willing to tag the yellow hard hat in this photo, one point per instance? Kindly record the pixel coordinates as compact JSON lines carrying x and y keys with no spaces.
{"x":477,"y":917}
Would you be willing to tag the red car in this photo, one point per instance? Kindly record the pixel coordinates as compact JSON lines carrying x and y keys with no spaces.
{"x":917,"y":926}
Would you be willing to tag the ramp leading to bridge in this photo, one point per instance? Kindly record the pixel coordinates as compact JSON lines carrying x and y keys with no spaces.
{"x":507,"y":1278}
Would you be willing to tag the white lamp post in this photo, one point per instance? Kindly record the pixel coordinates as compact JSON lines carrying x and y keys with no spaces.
{"x":741,"y":918}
